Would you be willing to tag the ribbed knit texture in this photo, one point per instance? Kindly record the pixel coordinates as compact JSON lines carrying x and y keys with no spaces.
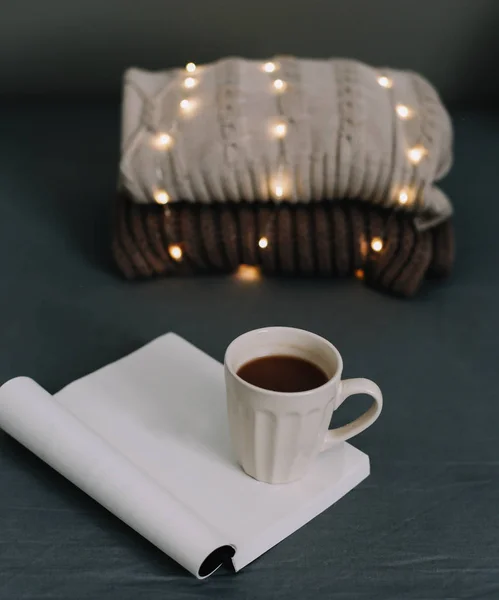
{"x":344,"y":137}
{"x":326,"y":238}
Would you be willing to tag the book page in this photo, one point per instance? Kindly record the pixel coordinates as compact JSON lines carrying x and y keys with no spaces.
{"x":147,"y":437}
{"x":35,"y":419}
{"x":164,"y":408}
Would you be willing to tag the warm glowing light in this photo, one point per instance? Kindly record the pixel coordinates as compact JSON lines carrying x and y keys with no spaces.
{"x":416,"y":154}
{"x":403,"y":196}
{"x":403,"y":111}
{"x":263,"y":242}
{"x":248,"y":273}
{"x":377,"y":244}
{"x":385,"y":82}
{"x":190,"y":67}
{"x":163,"y":141}
{"x":359,"y":273}
{"x":190,"y":82}
{"x":279,"y":184}
{"x":175,"y":251}
{"x":161,"y":197}
{"x":279,"y":85}
{"x":269,"y":67}
{"x":280,"y":130}
{"x":185,"y":105}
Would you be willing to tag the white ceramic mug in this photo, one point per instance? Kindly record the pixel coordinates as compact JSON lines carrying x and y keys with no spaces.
{"x":277,"y":435}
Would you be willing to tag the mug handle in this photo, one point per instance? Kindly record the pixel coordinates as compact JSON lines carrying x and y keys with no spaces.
{"x":349,"y":387}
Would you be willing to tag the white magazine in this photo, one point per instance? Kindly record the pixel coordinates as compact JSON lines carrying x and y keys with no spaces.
{"x":147,"y":437}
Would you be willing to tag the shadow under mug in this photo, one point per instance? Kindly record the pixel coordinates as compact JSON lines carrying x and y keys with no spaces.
{"x":277,"y":435}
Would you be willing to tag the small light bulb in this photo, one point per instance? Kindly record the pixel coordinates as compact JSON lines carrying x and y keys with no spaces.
{"x":161,"y":197}
{"x":377,"y":244}
{"x":190,"y":67}
{"x":280,"y":130}
{"x":403,"y":196}
{"x":416,"y":154}
{"x":385,"y":81}
{"x":248,"y":273}
{"x":263,"y":242}
{"x":175,"y":251}
{"x":186,"y":105}
{"x":279,"y":191}
{"x":163,"y":141}
{"x":190,"y":82}
{"x":269,"y":67}
{"x":359,"y":273}
{"x":279,"y":85}
{"x":403,"y":111}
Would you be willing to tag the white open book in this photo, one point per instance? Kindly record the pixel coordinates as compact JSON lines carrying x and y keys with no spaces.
{"x":147,"y":437}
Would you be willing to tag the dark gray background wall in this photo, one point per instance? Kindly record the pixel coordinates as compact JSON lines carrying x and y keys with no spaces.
{"x":68,"y":46}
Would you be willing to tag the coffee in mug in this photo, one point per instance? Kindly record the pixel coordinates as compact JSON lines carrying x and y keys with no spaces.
{"x":283,"y":373}
{"x":283,"y":385}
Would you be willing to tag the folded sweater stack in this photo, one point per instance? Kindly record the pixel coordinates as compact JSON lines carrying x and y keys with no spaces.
{"x":298,"y":166}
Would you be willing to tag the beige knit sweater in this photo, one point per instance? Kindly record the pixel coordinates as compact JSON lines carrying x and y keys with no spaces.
{"x":295,"y":130}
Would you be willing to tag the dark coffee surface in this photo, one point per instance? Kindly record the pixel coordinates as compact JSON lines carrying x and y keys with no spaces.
{"x":281,"y":373}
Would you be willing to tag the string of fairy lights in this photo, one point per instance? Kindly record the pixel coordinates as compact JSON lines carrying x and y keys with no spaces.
{"x":279,"y":130}
{"x":163,"y":141}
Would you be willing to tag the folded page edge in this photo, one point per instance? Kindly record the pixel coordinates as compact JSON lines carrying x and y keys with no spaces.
{"x":199,"y":568}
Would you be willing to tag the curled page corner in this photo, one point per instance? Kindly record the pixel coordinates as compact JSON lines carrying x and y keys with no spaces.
{"x":36,"y":420}
{"x":222,"y":556}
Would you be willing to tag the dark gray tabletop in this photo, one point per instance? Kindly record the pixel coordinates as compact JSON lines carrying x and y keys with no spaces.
{"x":425,"y":525}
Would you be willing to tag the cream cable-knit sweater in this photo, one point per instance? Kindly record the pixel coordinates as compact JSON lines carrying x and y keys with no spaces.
{"x":342,"y":135}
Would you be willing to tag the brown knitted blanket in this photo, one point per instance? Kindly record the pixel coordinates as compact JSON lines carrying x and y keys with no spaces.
{"x":331,"y":239}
